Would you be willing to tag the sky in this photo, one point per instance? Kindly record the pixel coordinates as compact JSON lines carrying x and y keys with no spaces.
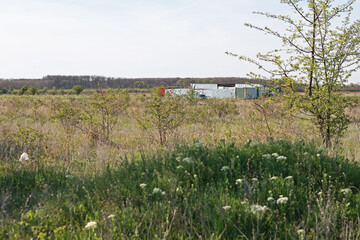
{"x":133,"y":38}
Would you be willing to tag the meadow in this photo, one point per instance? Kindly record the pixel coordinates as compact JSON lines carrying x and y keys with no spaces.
{"x":118,"y":165}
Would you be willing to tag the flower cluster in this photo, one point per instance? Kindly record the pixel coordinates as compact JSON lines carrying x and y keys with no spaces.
{"x":91,"y":225}
{"x":158,"y":191}
{"x":258,"y":209}
{"x":282,"y":200}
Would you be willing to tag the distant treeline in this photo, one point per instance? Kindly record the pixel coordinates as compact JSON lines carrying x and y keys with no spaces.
{"x":68,"y":82}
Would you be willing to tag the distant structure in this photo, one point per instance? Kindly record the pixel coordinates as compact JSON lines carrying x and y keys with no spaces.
{"x":214,"y":90}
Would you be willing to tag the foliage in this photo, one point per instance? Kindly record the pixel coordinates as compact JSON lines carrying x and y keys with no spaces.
{"x":77,"y":89}
{"x":23,"y":90}
{"x":32,"y":90}
{"x":318,"y":51}
{"x":100,"y":115}
{"x":165,"y":114}
{"x":277,"y":190}
{"x":95,"y":117}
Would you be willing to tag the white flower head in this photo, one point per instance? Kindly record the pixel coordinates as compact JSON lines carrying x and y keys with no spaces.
{"x":24,"y":157}
{"x":255,"y":180}
{"x":289,"y":178}
{"x":270,"y":199}
{"x":142,"y":185}
{"x":258,"y":209}
{"x":281,"y":158}
{"x":345,"y":191}
{"x":239,"y":181}
{"x":273,"y":178}
{"x":157,"y":191}
{"x":266,"y":156}
{"x":179,"y":167}
{"x":226,"y":207}
{"x":282,"y":200}
{"x":91,"y":225}
{"x":225,"y":168}
{"x":275,"y":155}
{"x":187,"y":160}
{"x":318,"y":155}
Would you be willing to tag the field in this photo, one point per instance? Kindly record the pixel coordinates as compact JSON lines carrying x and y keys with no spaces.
{"x":114,"y":165}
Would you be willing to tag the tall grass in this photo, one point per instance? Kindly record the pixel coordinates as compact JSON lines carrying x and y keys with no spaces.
{"x":254,"y":191}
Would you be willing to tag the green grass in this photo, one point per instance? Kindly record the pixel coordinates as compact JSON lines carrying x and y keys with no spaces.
{"x":194,"y":192}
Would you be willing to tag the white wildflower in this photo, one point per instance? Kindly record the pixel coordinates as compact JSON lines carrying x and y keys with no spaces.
{"x":142,"y":185}
{"x":275,"y":155}
{"x":258,"y":209}
{"x":187,"y":160}
{"x":320,"y":193}
{"x":273,"y":178}
{"x":270,"y":199}
{"x":226,"y":207}
{"x":111,"y":216}
{"x":90,"y":225}
{"x":282,"y":200}
{"x":157,"y":191}
{"x":266,"y":156}
{"x":225,"y":168}
{"x":239,"y":181}
{"x":163,"y":193}
{"x":255,"y":180}
{"x":23,"y":157}
{"x":179,"y":167}
{"x":281,"y":158}
{"x":318,"y":155}
{"x":289,"y":178}
{"x":345,"y":191}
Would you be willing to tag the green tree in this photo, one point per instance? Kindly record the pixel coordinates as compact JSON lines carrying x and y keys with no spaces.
{"x":77,"y":89}
{"x":23,"y":90}
{"x":320,"y":49}
{"x":32,"y":90}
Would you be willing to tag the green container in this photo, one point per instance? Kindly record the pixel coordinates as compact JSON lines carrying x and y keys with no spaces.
{"x":239,"y":93}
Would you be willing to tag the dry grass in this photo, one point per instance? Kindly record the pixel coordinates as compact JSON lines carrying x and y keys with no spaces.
{"x":242,"y":122}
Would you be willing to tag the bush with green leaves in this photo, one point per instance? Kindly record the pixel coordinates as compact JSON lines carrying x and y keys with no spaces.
{"x":162,"y":114}
{"x":77,"y":89}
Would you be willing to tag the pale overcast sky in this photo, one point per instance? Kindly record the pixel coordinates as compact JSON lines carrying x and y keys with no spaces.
{"x":132,"y":38}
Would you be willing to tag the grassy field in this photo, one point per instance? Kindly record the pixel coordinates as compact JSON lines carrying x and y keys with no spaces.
{"x":118,"y":165}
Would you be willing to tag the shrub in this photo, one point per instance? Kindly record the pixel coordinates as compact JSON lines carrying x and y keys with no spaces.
{"x":77,"y":89}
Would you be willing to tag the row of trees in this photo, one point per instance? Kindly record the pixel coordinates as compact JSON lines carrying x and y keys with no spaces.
{"x":77,"y":89}
{"x":68,"y":82}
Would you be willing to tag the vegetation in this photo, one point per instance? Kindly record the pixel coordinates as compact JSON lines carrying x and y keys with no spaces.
{"x":318,"y":54}
{"x":77,"y":89}
{"x":94,"y":172}
{"x":261,"y":191}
